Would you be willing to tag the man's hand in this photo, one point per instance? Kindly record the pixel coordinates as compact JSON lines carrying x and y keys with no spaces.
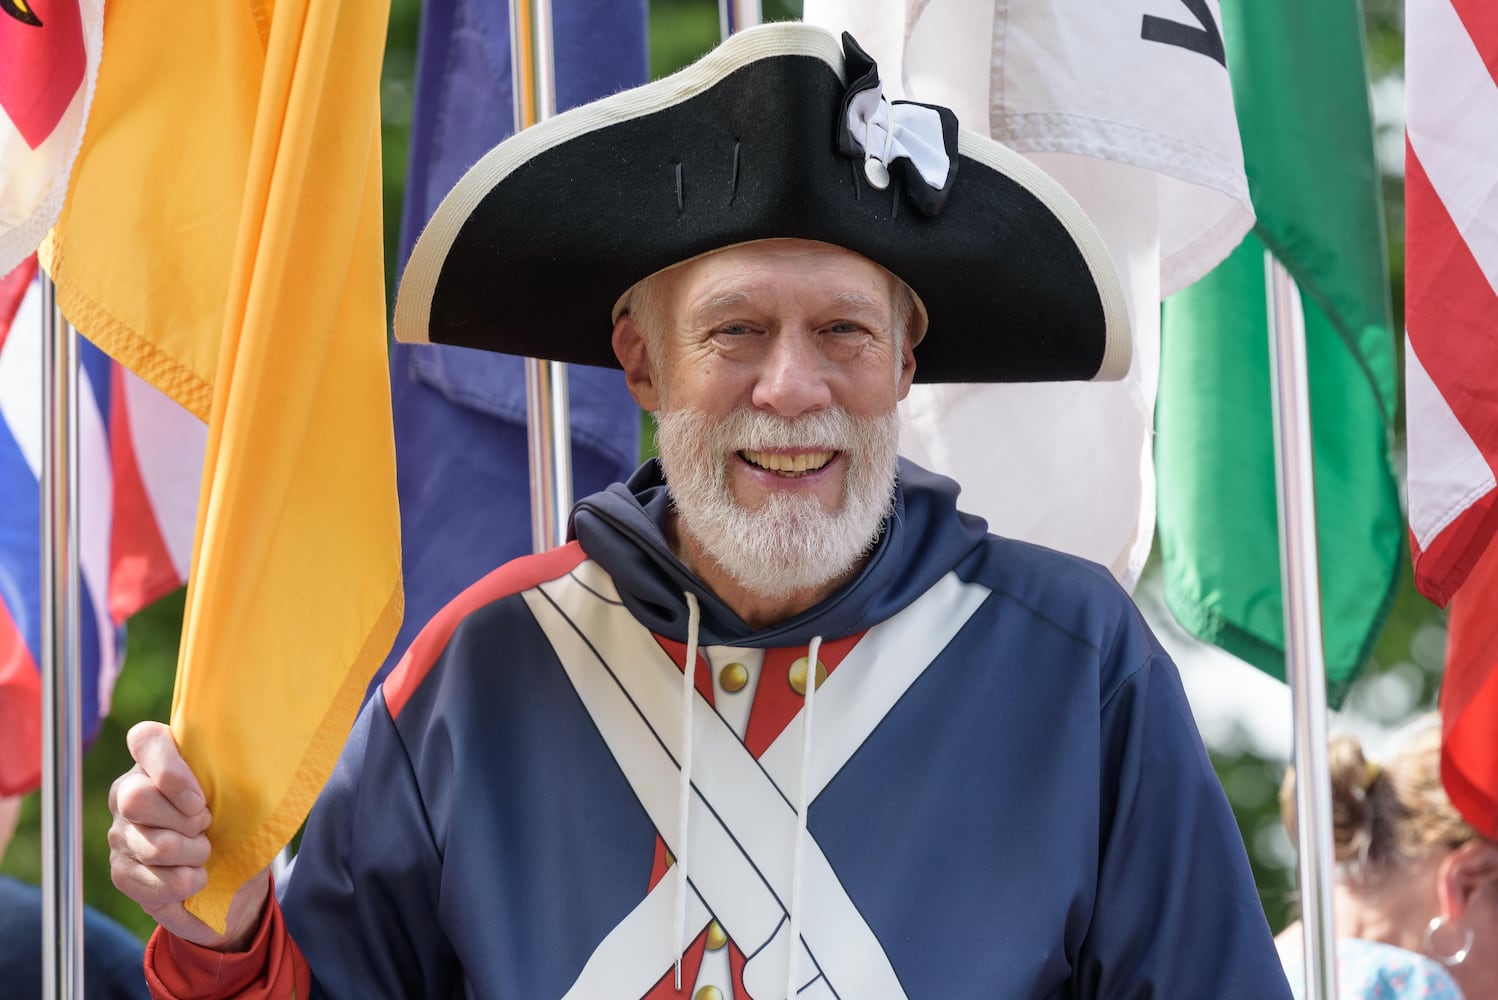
{"x":158,"y":845}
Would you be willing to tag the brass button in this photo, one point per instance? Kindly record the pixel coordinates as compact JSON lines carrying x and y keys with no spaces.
{"x":733,"y":677}
{"x":716,"y":938}
{"x":797,"y":675}
{"x":708,"y":993}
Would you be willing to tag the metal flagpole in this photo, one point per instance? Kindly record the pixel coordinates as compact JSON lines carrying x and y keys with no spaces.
{"x":1304,"y":653}
{"x":62,"y":737}
{"x":534,"y":81}
{"x":734,"y":15}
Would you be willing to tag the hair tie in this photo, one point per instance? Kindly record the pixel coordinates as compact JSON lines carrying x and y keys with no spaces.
{"x":1372,"y":770}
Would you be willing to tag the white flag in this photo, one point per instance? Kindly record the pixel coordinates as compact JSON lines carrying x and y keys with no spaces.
{"x":1129,"y":106}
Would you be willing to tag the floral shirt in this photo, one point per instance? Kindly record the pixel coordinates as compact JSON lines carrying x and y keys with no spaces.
{"x":1369,"y":970}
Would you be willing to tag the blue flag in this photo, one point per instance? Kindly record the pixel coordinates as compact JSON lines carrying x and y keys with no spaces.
{"x":460,"y":433}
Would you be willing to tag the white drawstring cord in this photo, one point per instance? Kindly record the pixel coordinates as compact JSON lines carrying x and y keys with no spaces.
{"x":684,"y":787}
{"x":812,"y":652}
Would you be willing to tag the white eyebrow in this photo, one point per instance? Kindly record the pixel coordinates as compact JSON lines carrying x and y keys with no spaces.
{"x":857,"y":300}
{"x":719,"y":303}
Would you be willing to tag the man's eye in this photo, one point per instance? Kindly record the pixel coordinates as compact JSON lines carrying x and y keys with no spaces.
{"x":735,"y":328}
{"x":845,"y":328}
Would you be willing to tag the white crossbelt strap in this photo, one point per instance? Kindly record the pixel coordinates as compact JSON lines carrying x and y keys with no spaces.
{"x":743,"y":822}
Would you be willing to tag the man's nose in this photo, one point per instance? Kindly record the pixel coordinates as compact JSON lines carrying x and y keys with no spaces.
{"x":793,"y":379}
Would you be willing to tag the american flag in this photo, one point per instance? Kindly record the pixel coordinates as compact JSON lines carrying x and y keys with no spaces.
{"x":1451,"y":282}
{"x":140,"y":460}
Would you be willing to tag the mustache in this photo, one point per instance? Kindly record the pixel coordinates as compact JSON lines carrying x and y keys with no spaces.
{"x":833,"y":429}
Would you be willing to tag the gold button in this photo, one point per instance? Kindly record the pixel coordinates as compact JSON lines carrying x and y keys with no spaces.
{"x":733,"y":677}
{"x":708,"y":993}
{"x":670,"y":859}
{"x":715,"y":936}
{"x":797,"y":675}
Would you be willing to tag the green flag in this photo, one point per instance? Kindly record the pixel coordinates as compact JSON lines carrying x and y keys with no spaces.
{"x":1300,"y":86}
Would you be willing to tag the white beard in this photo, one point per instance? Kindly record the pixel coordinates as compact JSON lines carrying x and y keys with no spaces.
{"x":789,"y":543}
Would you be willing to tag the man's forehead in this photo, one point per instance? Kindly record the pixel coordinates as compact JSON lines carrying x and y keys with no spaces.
{"x":752,"y":272}
{"x":792,"y":255}
{"x":784,"y":257}
{"x":713,"y":302}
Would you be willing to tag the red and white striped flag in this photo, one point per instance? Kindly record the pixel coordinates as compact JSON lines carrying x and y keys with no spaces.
{"x":140,"y":461}
{"x":1451,"y":286}
{"x":1451,"y":370}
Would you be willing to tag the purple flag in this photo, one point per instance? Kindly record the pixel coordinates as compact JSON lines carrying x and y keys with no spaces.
{"x":460,"y":432}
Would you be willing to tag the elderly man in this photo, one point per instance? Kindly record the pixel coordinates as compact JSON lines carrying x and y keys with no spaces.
{"x":780,"y":721}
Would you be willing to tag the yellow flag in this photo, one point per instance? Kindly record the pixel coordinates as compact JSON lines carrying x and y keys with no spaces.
{"x":222,"y":237}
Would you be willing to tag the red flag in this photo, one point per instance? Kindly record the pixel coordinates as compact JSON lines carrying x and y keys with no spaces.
{"x":1469,"y":699}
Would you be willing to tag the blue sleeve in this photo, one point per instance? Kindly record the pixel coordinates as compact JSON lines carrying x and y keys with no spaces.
{"x":361,"y":903}
{"x":1177,"y":912}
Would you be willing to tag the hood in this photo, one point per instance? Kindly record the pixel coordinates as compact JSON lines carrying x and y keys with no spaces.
{"x":622,"y":529}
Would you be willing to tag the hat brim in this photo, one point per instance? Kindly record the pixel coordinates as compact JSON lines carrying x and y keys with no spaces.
{"x":532,"y":248}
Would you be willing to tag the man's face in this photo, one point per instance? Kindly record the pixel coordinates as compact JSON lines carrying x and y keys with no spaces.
{"x":774,"y":376}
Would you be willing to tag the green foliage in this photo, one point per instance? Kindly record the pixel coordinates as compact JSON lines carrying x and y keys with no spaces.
{"x":397,"y":98}
{"x":1252,"y":786}
{"x":680,"y":31}
{"x":1384,"y":20}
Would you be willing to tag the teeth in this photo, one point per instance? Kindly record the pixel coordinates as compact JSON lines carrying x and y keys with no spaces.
{"x":792,"y":464}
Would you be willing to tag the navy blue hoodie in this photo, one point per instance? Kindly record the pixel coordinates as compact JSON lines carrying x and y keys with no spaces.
{"x":1007,"y":794}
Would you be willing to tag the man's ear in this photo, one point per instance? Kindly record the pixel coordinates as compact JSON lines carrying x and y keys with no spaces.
{"x":1462,"y":873}
{"x":631,"y":348}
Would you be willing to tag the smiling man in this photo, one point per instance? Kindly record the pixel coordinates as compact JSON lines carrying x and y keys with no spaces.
{"x":773,"y":370}
{"x":780,"y":721}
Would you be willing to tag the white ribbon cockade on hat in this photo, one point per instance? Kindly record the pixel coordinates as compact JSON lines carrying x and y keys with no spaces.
{"x":888,"y":131}
{"x":914,"y":143}
{"x":739,"y":861}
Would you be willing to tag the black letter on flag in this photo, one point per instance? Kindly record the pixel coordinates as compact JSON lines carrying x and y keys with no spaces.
{"x":19,"y":10}
{"x":1205,"y":39}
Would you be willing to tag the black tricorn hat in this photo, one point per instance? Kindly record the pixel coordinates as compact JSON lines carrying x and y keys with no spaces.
{"x":777,"y":133}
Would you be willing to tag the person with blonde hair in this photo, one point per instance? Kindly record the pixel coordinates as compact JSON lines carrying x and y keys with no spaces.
{"x":1416,"y":897}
